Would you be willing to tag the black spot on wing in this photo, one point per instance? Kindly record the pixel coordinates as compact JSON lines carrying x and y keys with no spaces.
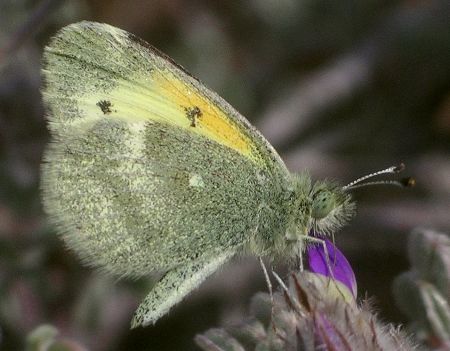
{"x":105,"y":106}
{"x":193,"y":114}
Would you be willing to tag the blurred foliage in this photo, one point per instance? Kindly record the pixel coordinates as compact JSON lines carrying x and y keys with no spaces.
{"x":339,"y":87}
{"x":46,"y":338}
{"x":423,"y":292}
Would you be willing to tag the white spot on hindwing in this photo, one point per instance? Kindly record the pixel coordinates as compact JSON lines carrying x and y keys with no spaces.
{"x":262,"y":179}
{"x":196,"y":181}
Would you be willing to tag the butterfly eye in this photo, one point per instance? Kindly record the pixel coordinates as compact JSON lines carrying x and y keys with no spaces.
{"x":324,"y":202}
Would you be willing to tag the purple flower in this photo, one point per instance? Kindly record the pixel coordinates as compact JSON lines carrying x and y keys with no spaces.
{"x":335,"y":266}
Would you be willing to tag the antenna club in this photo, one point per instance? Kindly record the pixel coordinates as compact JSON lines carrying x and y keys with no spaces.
{"x":408,"y":182}
{"x":359,"y":183}
{"x":399,"y":168}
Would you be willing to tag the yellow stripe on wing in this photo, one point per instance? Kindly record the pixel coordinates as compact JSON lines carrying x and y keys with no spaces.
{"x":201,"y":116}
{"x":161,"y":96}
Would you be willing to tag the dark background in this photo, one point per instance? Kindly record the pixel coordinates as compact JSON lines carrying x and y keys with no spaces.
{"x":340,"y":88}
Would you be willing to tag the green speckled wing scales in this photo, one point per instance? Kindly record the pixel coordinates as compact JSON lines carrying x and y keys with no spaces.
{"x":175,"y":285}
{"x":147,"y":169}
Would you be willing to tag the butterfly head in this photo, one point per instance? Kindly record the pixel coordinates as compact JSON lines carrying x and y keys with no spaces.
{"x":331,"y":207}
{"x":321,"y":208}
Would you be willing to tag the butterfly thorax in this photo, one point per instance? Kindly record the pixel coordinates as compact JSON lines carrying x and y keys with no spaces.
{"x":305,"y":208}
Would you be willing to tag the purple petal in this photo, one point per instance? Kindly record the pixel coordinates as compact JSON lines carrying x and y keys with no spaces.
{"x":341,"y":269}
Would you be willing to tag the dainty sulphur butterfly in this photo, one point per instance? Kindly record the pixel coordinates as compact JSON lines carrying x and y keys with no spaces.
{"x":150,"y":171}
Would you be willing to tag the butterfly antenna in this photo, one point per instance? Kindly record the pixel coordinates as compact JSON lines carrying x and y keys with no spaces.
{"x":405,"y":182}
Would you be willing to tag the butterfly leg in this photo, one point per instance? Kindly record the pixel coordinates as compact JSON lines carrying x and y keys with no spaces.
{"x":313,"y":240}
